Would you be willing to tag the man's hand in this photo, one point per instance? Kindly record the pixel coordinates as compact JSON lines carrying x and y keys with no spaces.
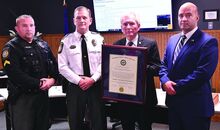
{"x":47,"y":83}
{"x":169,"y":87}
{"x":86,"y":82}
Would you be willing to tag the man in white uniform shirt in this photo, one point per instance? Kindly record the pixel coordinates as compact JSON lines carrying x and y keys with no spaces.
{"x":84,"y":90}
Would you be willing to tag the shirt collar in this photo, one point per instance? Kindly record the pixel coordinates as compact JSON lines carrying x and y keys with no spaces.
{"x":189,"y":34}
{"x":78,"y":35}
{"x":135,"y":40}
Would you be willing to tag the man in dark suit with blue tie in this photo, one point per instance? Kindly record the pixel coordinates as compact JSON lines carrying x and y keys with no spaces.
{"x":186,"y":80}
{"x":131,"y":113}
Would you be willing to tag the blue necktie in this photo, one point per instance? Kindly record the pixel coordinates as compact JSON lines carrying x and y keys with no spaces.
{"x":178,"y":47}
{"x":85,"y":59}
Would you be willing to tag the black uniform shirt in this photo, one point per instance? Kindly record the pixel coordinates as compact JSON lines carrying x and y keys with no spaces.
{"x":26,"y":63}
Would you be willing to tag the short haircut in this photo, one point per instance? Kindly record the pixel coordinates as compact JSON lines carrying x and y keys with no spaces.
{"x":83,"y":8}
{"x":133,"y":15}
{"x":23,"y":17}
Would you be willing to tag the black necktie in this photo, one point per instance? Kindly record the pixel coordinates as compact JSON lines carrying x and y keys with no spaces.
{"x":85,"y":59}
{"x":178,"y":47}
{"x":130,"y":43}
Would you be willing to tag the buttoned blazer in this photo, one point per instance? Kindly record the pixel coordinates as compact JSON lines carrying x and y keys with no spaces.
{"x":192,"y":71}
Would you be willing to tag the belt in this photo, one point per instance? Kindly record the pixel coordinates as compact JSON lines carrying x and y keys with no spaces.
{"x":33,"y":91}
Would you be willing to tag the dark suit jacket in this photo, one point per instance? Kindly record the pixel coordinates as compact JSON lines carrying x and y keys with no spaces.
{"x":192,"y":71}
{"x":152,"y":67}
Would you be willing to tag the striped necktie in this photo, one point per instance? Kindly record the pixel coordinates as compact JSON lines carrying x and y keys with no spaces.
{"x":178,"y":47}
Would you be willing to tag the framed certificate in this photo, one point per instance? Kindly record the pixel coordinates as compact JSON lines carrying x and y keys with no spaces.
{"x":211,"y":15}
{"x":124,"y":73}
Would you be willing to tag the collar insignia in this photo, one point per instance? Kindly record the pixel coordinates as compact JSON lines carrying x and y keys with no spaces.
{"x":192,"y":41}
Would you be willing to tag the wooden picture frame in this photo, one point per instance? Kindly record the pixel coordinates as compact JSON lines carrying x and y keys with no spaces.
{"x":124,"y":73}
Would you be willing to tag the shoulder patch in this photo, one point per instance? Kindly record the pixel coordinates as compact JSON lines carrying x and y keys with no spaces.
{"x":5,"y":53}
{"x":60,"y":49}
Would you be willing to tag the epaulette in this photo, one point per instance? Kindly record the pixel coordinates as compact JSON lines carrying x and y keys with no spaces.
{"x":94,"y":32}
{"x":36,"y":39}
{"x":65,"y":36}
{"x":14,"y":39}
{"x":11,"y":43}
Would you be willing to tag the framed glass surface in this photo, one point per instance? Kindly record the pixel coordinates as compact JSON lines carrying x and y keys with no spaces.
{"x":124,"y":73}
{"x":210,"y":15}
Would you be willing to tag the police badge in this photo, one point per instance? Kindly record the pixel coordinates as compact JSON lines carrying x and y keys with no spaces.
{"x":93,"y":42}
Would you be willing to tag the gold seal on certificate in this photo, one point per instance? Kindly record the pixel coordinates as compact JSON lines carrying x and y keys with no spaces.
{"x":121,"y":89}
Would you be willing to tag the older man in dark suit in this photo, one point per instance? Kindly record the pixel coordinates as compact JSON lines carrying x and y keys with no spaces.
{"x":131,"y":113}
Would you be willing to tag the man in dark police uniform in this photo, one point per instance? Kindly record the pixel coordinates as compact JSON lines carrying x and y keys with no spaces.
{"x":31,"y":69}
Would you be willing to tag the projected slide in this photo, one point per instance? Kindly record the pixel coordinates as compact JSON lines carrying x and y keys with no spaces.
{"x":154,"y":14}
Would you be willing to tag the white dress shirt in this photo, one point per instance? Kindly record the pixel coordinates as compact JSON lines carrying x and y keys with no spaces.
{"x":70,"y":58}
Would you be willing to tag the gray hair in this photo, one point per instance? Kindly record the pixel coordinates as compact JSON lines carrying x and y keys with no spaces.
{"x":131,"y":15}
{"x":83,"y":8}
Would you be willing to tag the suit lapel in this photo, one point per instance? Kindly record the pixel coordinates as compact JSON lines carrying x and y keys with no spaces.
{"x":122,"y":42}
{"x":140,"y":41}
{"x":186,"y":48}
